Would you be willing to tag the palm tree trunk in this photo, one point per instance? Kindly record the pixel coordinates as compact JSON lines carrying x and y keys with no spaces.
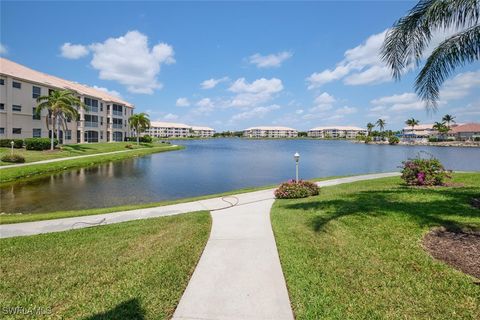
{"x":138,"y":136}
{"x":52,"y":138}
{"x":58,"y":129}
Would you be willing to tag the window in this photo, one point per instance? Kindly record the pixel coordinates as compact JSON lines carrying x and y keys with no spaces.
{"x":101,"y":106}
{"x":92,"y":104}
{"x":36,"y":92}
{"x":2,"y":130}
{"x":101,"y":135}
{"x":117,"y":110}
{"x":37,"y":133}
{"x":2,"y":82}
{"x":68,"y":135}
{"x":117,"y":123}
{"x":17,"y":130}
{"x":91,"y":136}
{"x":16,"y":108}
{"x":2,"y":106}
{"x":117,"y":136}
{"x":91,"y":121}
{"x":101,"y":121}
{"x":17,"y":85}
{"x":35,"y":116}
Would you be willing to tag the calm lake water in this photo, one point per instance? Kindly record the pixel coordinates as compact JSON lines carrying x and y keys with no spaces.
{"x":213,"y":166}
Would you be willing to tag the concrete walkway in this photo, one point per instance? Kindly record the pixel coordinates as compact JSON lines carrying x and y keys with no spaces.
{"x":239,"y":275}
{"x":69,"y":158}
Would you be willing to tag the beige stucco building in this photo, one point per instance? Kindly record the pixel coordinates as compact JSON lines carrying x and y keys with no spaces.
{"x":270,"y":132}
{"x":336,"y":132}
{"x":161,"y":129}
{"x":106,"y":119}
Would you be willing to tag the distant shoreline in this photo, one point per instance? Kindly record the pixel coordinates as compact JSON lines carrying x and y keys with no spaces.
{"x":464,"y":144}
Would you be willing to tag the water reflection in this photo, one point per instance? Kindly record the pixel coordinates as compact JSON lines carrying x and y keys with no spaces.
{"x":212,"y":166}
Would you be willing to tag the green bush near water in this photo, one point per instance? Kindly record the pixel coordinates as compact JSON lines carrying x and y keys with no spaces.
{"x":39,"y":143}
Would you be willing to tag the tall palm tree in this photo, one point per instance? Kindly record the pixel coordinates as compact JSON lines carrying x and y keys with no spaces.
{"x":61,"y":108}
{"x":370,"y":127}
{"x":140,"y":122}
{"x":441,"y":128}
{"x":406,"y":43}
{"x":448,"y":119}
{"x":381,"y":125}
{"x":412,"y":123}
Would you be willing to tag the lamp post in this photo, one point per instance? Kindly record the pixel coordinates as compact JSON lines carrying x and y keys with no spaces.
{"x":296,"y":156}
{"x":12,"y":143}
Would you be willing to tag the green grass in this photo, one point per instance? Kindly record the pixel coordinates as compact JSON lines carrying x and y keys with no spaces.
{"x":131,"y":270}
{"x":9,"y":218}
{"x":354,"y":251}
{"x":13,"y":174}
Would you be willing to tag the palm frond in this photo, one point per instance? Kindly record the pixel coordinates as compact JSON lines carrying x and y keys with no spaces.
{"x":451,"y":53}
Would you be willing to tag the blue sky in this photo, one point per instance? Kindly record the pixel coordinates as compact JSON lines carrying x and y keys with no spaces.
{"x":232,"y":65}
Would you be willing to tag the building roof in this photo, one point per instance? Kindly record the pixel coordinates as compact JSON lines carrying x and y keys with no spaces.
{"x":427,"y":126}
{"x":338,"y":128}
{"x":467,"y":127}
{"x":202,"y":128}
{"x":161,"y":124}
{"x":271,"y":128}
{"x":19,"y":71}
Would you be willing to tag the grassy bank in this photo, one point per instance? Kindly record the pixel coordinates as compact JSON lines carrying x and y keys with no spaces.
{"x":29,"y":217}
{"x":354,"y":251}
{"x":131,"y":270}
{"x":15,"y":173}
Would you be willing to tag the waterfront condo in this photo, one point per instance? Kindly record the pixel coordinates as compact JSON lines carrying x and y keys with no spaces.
{"x":106,"y":117}
{"x":270,"y":132}
{"x":336,"y":132}
{"x":160,"y":129}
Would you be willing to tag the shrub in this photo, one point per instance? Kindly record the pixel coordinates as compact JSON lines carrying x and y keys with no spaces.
{"x":6,"y":143}
{"x":129,"y":146}
{"x":144,"y":139}
{"x":476,"y":139}
{"x":39,"y":143}
{"x":393,"y":140}
{"x":292,"y":190}
{"x":433,"y":139}
{"x":368,"y":139}
{"x":424,"y":172}
{"x":15,"y":158}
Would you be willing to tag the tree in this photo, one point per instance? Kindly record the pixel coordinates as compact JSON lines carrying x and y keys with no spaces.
{"x":140,"y":122}
{"x":381,"y":125}
{"x":448,"y":119}
{"x":412,"y":123}
{"x":406,"y":43}
{"x":370,"y":127}
{"x":441,"y":128}
{"x":61,"y":108}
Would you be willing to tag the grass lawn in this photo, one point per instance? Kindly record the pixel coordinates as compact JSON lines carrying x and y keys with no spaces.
{"x":131,"y":270}
{"x":354,"y":251}
{"x":13,"y":174}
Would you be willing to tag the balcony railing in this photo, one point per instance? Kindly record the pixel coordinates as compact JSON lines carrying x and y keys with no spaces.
{"x":91,"y":124}
{"x":117,"y":125}
{"x":117,"y":113}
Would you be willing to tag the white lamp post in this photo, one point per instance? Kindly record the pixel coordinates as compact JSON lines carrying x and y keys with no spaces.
{"x":296,"y":156}
{"x":12,"y":143}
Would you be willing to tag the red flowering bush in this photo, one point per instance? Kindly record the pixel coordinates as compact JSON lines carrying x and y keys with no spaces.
{"x":292,"y":189}
{"x":424,"y":172}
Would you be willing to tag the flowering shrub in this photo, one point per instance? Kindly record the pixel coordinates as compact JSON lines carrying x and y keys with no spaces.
{"x":424,"y":172}
{"x":292,"y":190}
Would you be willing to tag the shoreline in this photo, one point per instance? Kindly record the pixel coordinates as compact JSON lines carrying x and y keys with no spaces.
{"x":461,"y":144}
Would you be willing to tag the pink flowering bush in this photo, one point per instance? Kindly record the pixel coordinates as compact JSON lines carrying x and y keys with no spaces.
{"x":424,"y":172}
{"x":292,"y":190}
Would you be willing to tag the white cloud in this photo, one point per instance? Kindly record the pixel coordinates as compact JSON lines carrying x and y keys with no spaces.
{"x":346,"y":110}
{"x":182,"y":102}
{"x":472,"y":109}
{"x":271,"y":60}
{"x":396,"y":98}
{"x":251,"y":94}
{"x":170,"y":116}
{"x":258,"y":112}
{"x":212,"y":83}
{"x":372,"y":75}
{"x":205,"y":105}
{"x":417,"y":105}
{"x":73,"y":51}
{"x":460,"y":86}
{"x":299,"y":111}
{"x":111,"y":92}
{"x":3,"y":49}
{"x":317,"y":79}
{"x":321,"y":108}
{"x":324,"y":98}
{"x":129,"y":61}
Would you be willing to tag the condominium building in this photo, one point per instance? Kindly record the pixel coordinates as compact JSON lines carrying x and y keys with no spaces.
{"x":177,"y":130}
{"x":270,"y":132}
{"x":106,"y":117}
{"x":336,"y":132}
{"x":420,"y":131}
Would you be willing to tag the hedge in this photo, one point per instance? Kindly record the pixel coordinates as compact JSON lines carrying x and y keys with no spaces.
{"x":39,"y":143}
{"x":6,"y":143}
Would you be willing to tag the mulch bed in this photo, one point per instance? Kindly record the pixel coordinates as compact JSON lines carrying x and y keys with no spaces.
{"x":459,"y":249}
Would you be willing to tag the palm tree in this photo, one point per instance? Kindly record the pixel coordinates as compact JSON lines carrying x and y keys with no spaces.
{"x":441,"y":128}
{"x":140,"y":122}
{"x":410,"y":36}
{"x":370,"y":127}
{"x":61,"y":108}
{"x":381,"y":125}
{"x":412,"y":123}
{"x":448,"y":119}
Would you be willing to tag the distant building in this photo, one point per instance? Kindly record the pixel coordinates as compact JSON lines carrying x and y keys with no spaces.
{"x":420,"y":131}
{"x":177,"y":130}
{"x":467,"y":131}
{"x":105,"y":120}
{"x":336,"y":132}
{"x":270,"y":132}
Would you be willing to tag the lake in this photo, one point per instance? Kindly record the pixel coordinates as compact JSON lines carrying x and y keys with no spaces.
{"x":213,"y":166}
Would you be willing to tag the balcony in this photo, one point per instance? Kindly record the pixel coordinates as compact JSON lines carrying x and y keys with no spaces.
{"x":91,"y":124}
{"x":117,"y":126}
{"x":117,"y":113}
